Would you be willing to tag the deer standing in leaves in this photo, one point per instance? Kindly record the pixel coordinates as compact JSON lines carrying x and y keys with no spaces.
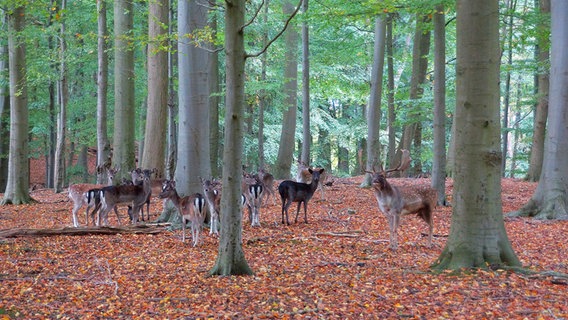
{"x":191,"y":208}
{"x":292,"y":191}
{"x":395,"y":202}
{"x":78,"y":194}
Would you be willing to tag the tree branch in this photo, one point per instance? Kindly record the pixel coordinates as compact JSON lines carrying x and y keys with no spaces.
{"x":279,"y":33}
{"x":253,"y":16}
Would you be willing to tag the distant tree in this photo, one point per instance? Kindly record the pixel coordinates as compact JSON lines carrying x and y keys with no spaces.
{"x":17,"y":186}
{"x":541,"y":110}
{"x":214,"y":88}
{"x":306,"y":134}
{"x":103,"y":144}
{"x":550,"y":200}
{"x":63,"y":90}
{"x":153,"y":155}
{"x":124,"y":112}
{"x":477,"y":234}
{"x":4,"y":107}
{"x":439,"y":161}
{"x":374,"y":110}
{"x":286,"y":146}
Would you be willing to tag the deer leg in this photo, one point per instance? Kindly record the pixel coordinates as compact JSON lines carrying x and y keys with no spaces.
{"x":76,"y":208}
{"x":298,"y":211}
{"x":183,"y":229}
{"x":285,"y":207}
{"x":117,"y":217}
{"x":394,"y":220}
{"x":305,"y":211}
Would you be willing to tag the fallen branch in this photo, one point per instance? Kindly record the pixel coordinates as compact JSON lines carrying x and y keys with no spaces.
{"x":82,"y":231}
{"x":339,"y":234}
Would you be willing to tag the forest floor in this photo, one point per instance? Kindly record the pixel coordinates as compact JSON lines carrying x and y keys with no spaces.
{"x":338,"y":266}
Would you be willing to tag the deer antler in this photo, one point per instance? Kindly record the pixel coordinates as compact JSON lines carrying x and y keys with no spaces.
{"x":404,"y":162}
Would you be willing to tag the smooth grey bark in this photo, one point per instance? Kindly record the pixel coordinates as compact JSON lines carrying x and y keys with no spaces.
{"x":4,"y":108}
{"x":214,"y":99}
{"x":193,"y":154}
{"x":550,"y":198}
{"x":477,"y":236}
{"x":420,"y":51}
{"x":63,"y":95}
{"x":231,"y":259}
{"x":287,"y":137}
{"x":171,"y":154}
{"x":306,"y":134}
{"x":542,"y":79}
{"x":390,"y":94}
{"x":103,"y":144}
{"x":439,"y":160}
{"x":124,"y":111}
{"x":17,"y":186}
{"x":508,"y":35}
{"x":374,"y":110}
{"x":262,"y":96}
{"x":154,"y":151}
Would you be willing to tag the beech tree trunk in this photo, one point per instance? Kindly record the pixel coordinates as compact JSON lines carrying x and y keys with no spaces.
{"x":17,"y":186}
{"x":374,"y":110}
{"x":287,"y":138}
{"x":4,"y":111}
{"x":477,"y":234}
{"x":306,"y":134}
{"x":59,"y":169}
{"x":154,"y":151}
{"x":541,"y":111}
{"x":124,"y":113}
{"x":550,"y":200}
{"x":439,"y":161}
{"x":103,"y":144}
{"x":214,"y":89}
{"x":231,"y":259}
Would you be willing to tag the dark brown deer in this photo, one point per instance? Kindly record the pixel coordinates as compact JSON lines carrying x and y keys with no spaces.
{"x":395,"y":203}
{"x":191,"y":208}
{"x":292,"y":191}
{"x":155,"y":184}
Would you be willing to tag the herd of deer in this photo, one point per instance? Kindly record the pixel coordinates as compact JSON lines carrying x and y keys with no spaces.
{"x":257,"y":188}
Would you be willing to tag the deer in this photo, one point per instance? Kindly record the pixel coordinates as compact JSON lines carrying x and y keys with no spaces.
{"x":292,"y":191}
{"x":253,"y":200}
{"x":212,"y":195}
{"x":191,"y":208}
{"x":156,"y":185}
{"x":125,"y":194}
{"x":267,"y":180}
{"x":395,"y":203}
{"x":78,"y":194}
{"x":305,"y":176}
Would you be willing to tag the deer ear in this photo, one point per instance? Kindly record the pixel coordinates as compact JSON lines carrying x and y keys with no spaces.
{"x":310,"y":170}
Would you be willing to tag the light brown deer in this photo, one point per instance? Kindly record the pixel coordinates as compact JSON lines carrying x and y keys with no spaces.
{"x":155,"y":184}
{"x":137,"y":195}
{"x":212,"y":194}
{"x":395,"y":203}
{"x":78,"y":194}
{"x":305,"y":176}
{"x":267,"y":180}
{"x":191,"y":208}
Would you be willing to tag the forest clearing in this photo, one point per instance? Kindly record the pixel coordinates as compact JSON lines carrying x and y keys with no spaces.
{"x":336,"y":267}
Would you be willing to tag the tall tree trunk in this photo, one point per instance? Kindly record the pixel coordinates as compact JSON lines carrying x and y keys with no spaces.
{"x":171,"y":154}
{"x":287,"y":137}
{"x":231,"y":259}
{"x":262,"y":99}
{"x":420,"y":52}
{"x":306,"y":136}
{"x":541,"y":111}
{"x":157,"y":110}
{"x":193,"y":154}
{"x":214,"y":89}
{"x":390,"y":93}
{"x":439,"y":161}
{"x":550,"y":200}
{"x":17,"y":186}
{"x":374,"y":110}
{"x":59,"y":168}
{"x":477,"y":234}
{"x":124,"y":111}
{"x":103,"y":144}
{"x":4,"y":109}
{"x":506,"y":104}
